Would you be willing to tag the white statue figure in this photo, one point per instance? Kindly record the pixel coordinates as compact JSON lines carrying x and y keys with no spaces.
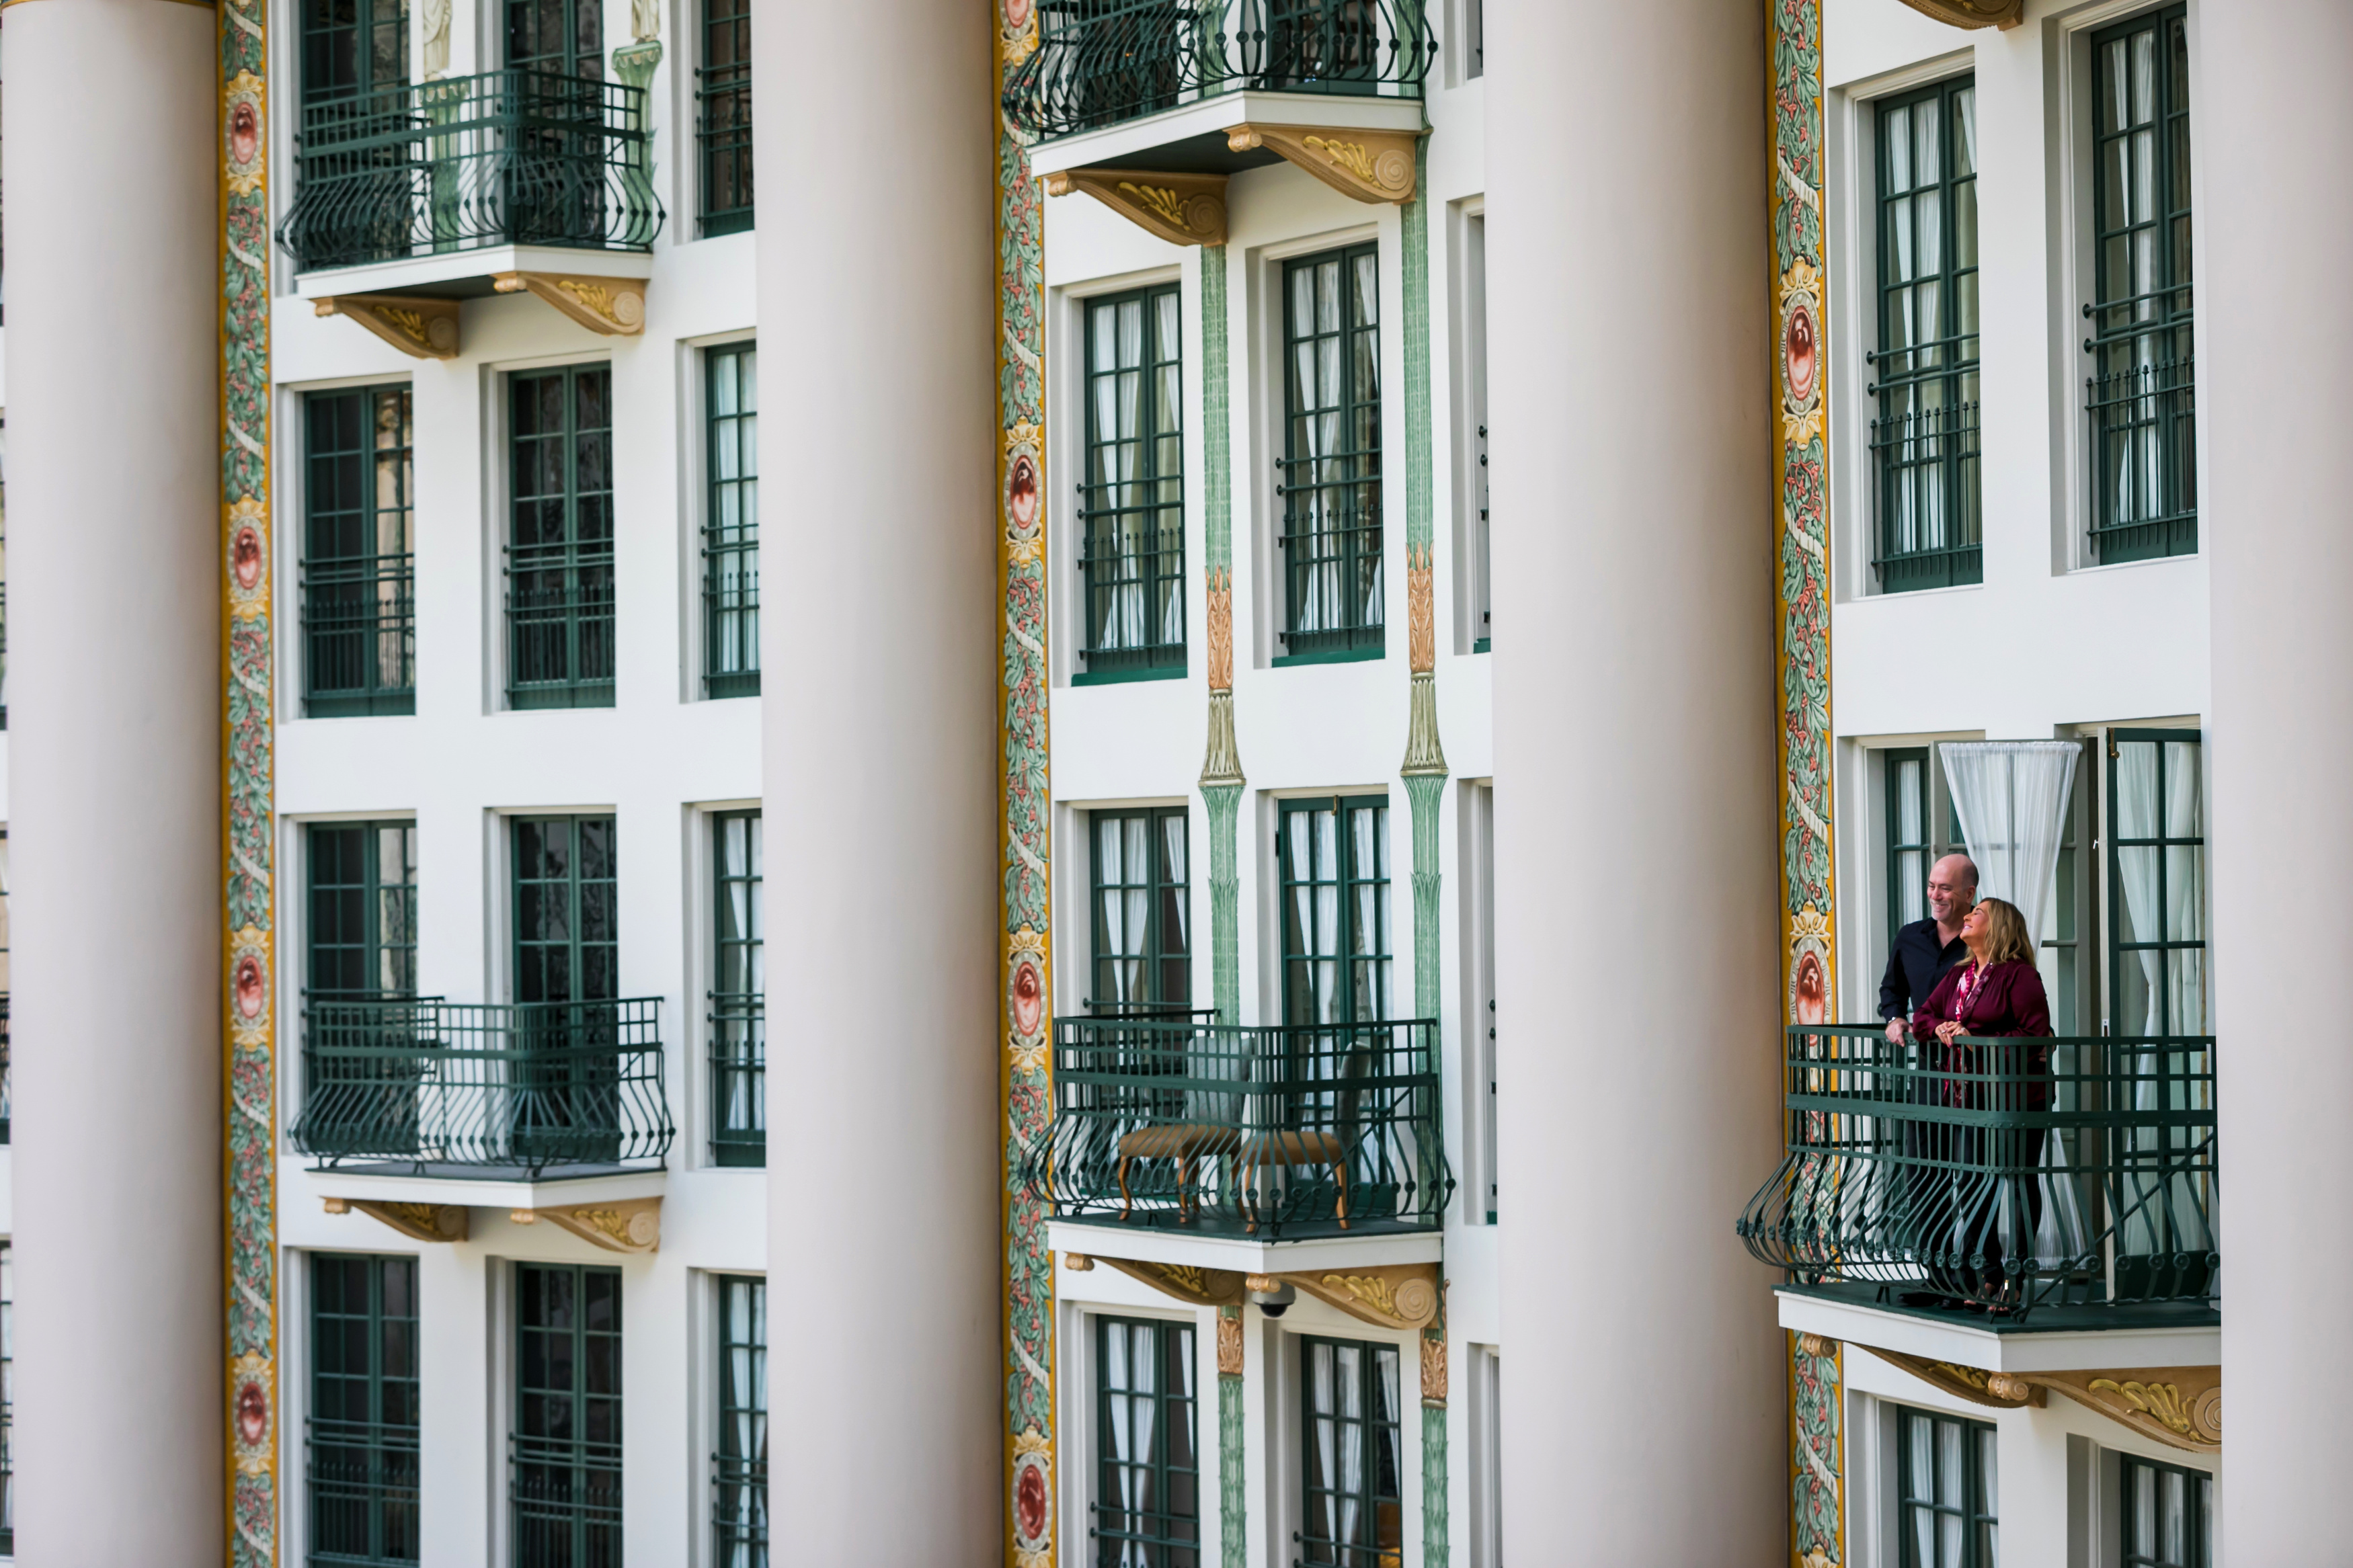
{"x":436,"y":38}
{"x":645,"y":19}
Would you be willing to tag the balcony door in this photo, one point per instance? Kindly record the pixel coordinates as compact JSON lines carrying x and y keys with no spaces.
{"x":353,"y":48}
{"x":554,"y":108}
{"x":567,"y":956}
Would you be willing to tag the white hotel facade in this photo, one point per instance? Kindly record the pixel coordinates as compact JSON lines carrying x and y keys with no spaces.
{"x":1048,"y":990}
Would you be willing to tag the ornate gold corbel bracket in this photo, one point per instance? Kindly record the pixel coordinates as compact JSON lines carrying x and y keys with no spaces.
{"x":1183,"y":209}
{"x":419,"y":327}
{"x":2180,"y":1406}
{"x":627,"y":1225}
{"x":613,"y":306}
{"x":1194,"y":1287}
{"x":2004,"y":14}
{"x":1391,"y":1296}
{"x":419,"y":1222}
{"x":1996,"y":1390}
{"x":1368,"y":165}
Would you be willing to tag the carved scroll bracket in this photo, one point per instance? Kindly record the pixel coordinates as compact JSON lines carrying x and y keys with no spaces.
{"x":419,"y":1222}
{"x":2003,"y":13}
{"x":2180,"y":1406}
{"x":613,"y":306}
{"x":419,"y":327}
{"x":1392,"y":1295}
{"x":1194,"y":1287}
{"x":1183,"y":209}
{"x":1367,"y":165}
{"x":627,"y":1225}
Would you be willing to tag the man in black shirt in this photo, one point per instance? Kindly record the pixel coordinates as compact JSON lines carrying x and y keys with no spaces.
{"x":1926,"y":949}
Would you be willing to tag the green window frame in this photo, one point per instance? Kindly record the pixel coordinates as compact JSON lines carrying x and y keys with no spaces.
{"x":730,"y":523}
{"x":723,"y":118}
{"x":564,"y":1474}
{"x":567,"y":874}
{"x":1140,"y":866}
{"x":7,"y":1399}
{"x":1911,"y":843}
{"x":738,"y":1001}
{"x":352,"y":49}
{"x":2166,"y":1516}
{"x":562,"y":38}
{"x":1923,"y":436}
{"x":739,"y":1466}
{"x":1330,"y":488}
{"x":1132,"y":501}
{"x":1337,"y":957}
{"x":359,"y":560}
{"x":2140,"y":398}
{"x":559,"y":552}
{"x":1948,"y":1491}
{"x":362,"y":1433}
{"x":1352,"y":1469}
{"x":1147,"y":1507}
{"x":2157,"y":883}
{"x":361,"y":934}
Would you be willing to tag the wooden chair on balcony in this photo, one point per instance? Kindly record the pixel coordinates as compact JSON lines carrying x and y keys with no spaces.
{"x":1189,"y":1144}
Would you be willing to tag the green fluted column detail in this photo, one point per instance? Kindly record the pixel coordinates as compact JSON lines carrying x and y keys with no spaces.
{"x":1216,"y":425}
{"x":1421,"y":494}
{"x":1225,"y":880}
{"x":1221,"y":767}
{"x":1422,"y":793}
{"x":1232,"y":1537}
{"x":1434,"y":1483}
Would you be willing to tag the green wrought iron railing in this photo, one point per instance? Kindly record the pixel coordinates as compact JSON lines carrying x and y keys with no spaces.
{"x":1924,"y":449}
{"x":565,"y":1502}
{"x":739,"y":1511}
{"x":359,"y":636}
{"x":363,"y":1477}
{"x":723,"y":134}
{"x":2005,"y":1173}
{"x":482,"y":1090}
{"x":739,"y":1095}
{"x":7,"y":1090}
{"x":508,"y":157}
{"x":560,"y":649}
{"x":1279,"y":1131}
{"x":2141,"y":403}
{"x":1099,"y":62}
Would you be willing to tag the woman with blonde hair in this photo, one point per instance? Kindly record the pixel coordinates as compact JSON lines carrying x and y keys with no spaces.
{"x":1976,"y":1009}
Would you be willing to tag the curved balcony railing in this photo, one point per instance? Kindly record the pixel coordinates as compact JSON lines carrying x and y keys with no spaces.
{"x":1099,"y":62}
{"x":508,"y":157}
{"x":473,"y":1089}
{"x":1279,"y":1133}
{"x":2001,"y":1173}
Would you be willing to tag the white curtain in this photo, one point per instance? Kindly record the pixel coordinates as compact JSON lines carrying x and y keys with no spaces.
{"x":2011,"y":798}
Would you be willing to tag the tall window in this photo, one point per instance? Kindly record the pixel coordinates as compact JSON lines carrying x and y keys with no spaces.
{"x":1147,"y":1507}
{"x":2157,"y":883}
{"x":562,"y":38}
{"x":1336,"y":910}
{"x":1331,"y":484}
{"x":362,"y":909}
{"x":564,"y":1451}
{"x":352,"y":47}
{"x":560,"y":539}
{"x":739,"y":1037}
{"x":359,"y":568}
{"x":1923,"y":440}
{"x":2141,"y":396}
{"x":1352,"y":1469}
{"x":722,"y":111}
{"x":363,"y":1426}
{"x":731,"y":524}
{"x":567,"y":909}
{"x":1947,"y":1503}
{"x":739,"y":1470}
{"x":1143,"y":951}
{"x":2166,"y":1515}
{"x":1482,"y":618}
{"x":1131,"y":506}
{"x":7,"y":1399}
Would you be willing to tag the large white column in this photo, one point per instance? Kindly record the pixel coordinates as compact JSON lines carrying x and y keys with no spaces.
{"x":2272,"y":126}
{"x":1635,"y":904}
{"x":113,"y":151}
{"x":875,"y":132}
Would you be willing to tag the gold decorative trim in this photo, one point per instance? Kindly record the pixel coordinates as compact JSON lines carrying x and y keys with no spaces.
{"x":2002,"y":13}
{"x":1194,"y":1287}
{"x":419,"y":328}
{"x":1433,"y":1373}
{"x":1077,"y":1262}
{"x":1366,"y":165}
{"x":419,"y":1222}
{"x":2180,"y":1406}
{"x":613,"y":306}
{"x":1393,"y":1296}
{"x":632,"y":1224}
{"x":1230,"y":1343}
{"x":1183,"y":209}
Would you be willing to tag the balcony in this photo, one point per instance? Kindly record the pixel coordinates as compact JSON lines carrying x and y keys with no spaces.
{"x":431,"y":192}
{"x":523,"y":1093}
{"x":1182,"y":1142}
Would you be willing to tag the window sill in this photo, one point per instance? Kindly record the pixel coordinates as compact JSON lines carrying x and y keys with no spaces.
{"x":1332,"y":656}
{"x":719,"y":224}
{"x":739,"y":683}
{"x":1121,"y":677}
{"x":587,"y":694}
{"x":381,"y":704}
{"x":1481,"y":646}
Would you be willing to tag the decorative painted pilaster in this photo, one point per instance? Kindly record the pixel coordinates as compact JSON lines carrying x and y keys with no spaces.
{"x":1232,"y":1475}
{"x":1221,"y":768}
{"x":1424,"y":769}
{"x":249,"y":1108}
{"x":1802,"y":493}
{"x":1031,"y":1474}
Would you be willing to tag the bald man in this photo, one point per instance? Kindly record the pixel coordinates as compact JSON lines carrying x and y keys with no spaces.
{"x":1926,"y":949}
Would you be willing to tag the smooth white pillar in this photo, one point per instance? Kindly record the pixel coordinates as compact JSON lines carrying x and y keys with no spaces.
{"x":875,"y":132}
{"x":114,"y":557}
{"x":2272,"y":128}
{"x":1635,"y":903}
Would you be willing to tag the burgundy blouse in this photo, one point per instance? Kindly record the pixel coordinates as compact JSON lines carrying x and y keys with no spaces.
{"x":2006,"y":1000}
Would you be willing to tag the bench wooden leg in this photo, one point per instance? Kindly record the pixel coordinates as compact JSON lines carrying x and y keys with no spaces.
{"x":1126,"y":1203}
{"x":1340,"y":1171}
